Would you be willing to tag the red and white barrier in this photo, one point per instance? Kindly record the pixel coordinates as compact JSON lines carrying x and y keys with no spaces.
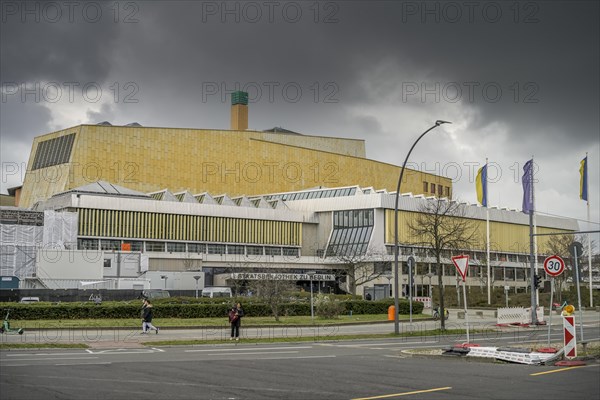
{"x":570,"y":340}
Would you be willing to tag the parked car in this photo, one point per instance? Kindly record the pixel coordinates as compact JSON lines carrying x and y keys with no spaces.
{"x":27,"y":300}
{"x":216,"y":291}
{"x":155,"y":294}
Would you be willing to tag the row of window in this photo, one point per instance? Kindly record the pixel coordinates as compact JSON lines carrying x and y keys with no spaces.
{"x":179,"y":247}
{"x":473,"y":255}
{"x":315,"y":194}
{"x":439,"y":190}
{"x":53,"y":152}
{"x":145,"y":225}
{"x":353,"y":218}
{"x":499,"y":274}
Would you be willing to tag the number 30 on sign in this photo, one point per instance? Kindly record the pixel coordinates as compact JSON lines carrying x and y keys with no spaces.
{"x":554,"y":265}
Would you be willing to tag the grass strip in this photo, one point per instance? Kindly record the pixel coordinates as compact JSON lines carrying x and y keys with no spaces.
{"x":9,"y":346}
{"x":205,"y":322}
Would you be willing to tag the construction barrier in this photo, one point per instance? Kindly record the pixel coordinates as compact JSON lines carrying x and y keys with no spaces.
{"x":518,"y":315}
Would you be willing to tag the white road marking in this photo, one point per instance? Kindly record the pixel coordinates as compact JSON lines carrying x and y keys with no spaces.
{"x":249,"y":349}
{"x":41,"y":354}
{"x":96,"y":363}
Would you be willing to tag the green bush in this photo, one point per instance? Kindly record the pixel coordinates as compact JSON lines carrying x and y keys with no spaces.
{"x":210,"y":309}
{"x":325,"y":307}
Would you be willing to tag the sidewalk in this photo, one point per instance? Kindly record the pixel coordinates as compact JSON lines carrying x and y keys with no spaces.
{"x":121,"y":338}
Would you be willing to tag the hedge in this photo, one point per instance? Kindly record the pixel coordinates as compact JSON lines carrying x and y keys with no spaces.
{"x":196,"y":310}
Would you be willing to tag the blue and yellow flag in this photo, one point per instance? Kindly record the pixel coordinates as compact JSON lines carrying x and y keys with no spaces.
{"x":583,"y":180}
{"x":481,"y":185}
{"x":527,"y":182}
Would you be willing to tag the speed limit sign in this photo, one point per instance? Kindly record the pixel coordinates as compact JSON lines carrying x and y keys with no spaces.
{"x":554,"y":265}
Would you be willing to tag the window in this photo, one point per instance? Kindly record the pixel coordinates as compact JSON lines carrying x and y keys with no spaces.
{"x":382,"y":267}
{"x":440,"y":190}
{"x":433,"y":188}
{"x":132,"y":246}
{"x":425,"y":187}
{"x":87,"y":244}
{"x":447,"y":191}
{"x":216,"y":249}
{"x":290,"y":252}
{"x":107,"y":263}
{"x":155,"y":246}
{"x":176,"y":247}
{"x":273,"y":251}
{"x":254,"y":250}
{"x":53,"y":151}
{"x":196,"y":248}
{"x":110,"y":244}
{"x":351,"y":233}
{"x":235,"y":249}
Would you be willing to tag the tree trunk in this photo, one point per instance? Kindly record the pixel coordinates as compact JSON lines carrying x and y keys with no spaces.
{"x":441,"y":293}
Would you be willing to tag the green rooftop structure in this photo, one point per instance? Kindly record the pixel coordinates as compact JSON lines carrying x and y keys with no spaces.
{"x":239,"y":97}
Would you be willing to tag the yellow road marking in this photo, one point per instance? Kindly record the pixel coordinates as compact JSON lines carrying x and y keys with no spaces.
{"x":559,"y":370}
{"x":403,"y":394}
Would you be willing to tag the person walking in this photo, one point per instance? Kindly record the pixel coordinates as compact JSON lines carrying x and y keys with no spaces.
{"x":147,"y":317}
{"x":143,"y":312}
{"x":235,"y":318}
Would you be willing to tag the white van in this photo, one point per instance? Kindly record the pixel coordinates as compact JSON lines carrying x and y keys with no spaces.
{"x":29,"y":300}
{"x":216,"y":291}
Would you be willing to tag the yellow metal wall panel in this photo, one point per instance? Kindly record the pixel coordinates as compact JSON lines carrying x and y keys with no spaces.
{"x":234,"y":162}
{"x":504,"y":237}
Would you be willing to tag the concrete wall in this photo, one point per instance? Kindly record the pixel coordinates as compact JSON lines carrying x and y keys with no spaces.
{"x":70,"y":264}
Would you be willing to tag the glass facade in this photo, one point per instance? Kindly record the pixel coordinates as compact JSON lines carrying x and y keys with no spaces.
{"x":351,"y":232}
{"x":313,"y":194}
{"x":53,"y":152}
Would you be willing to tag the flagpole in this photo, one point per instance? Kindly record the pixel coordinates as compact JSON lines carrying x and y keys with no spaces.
{"x":589,"y":240}
{"x":531,"y":246}
{"x":487,"y":231}
{"x":535,"y":257}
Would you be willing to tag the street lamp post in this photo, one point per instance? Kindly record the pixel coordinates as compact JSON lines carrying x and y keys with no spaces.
{"x":396,"y":248}
{"x":389,"y":291}
{"x":312,"y":308}
{"x":197,"y":277}
{"x":430,"y":275}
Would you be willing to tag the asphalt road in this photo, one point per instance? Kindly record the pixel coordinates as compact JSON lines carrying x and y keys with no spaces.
{"x":120,"y":368}
{"x":369,"y":369}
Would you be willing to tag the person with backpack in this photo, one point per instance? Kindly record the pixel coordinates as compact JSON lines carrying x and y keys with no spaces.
{"x":147,"y":318}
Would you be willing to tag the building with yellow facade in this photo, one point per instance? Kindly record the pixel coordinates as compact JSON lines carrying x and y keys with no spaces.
{"x":143,"y":207}
{"x":236,"y":161}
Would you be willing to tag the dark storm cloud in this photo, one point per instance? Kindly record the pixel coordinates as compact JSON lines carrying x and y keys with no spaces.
{"x":374,"y":70}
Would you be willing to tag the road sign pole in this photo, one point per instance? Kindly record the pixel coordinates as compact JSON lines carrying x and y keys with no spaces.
{"x":550,"y":315}
{"x":411,"y":262}
{"x":466,"y":312}
{"x":575,"y":255}
{"x":462,"y":266}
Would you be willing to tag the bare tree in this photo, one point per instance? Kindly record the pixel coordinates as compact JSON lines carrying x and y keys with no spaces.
{"x":190,"y":263}
{"x":559,"y":245}
{"x":358,"y":268}
{"x":273,"y":292}
{"x":238,"y":284}
{"x":441,"y":225}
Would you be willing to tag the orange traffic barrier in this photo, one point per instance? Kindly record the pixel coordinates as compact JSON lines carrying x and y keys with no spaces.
{"x":391,"y":313}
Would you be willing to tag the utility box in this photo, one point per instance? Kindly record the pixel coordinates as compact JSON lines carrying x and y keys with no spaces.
{"x":9,"y":282}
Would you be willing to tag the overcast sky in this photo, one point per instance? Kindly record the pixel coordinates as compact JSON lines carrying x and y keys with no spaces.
{"x":516,"y":79}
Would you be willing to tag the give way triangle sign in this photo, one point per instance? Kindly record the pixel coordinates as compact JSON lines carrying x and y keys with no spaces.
{"x":462,"y":264}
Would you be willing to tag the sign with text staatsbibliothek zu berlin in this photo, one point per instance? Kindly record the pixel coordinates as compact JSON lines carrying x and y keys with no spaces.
{"x":462,"y":265}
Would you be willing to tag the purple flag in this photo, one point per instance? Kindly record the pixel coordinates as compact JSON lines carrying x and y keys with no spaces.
{"x":528,"y":187}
